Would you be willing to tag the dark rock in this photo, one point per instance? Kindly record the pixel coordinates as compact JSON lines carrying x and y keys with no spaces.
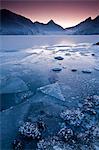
{"x":86,"y":71}
{"x":59,"y":58}
{"x":97,"y":43}
{"x":74,"y":70}
{"x":93,"y":54}
{"x":57,"y":69}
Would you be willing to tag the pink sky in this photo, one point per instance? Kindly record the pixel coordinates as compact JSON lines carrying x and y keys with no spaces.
{"x":66,"y":13}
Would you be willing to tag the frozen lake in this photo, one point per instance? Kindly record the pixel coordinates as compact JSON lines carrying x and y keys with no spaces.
{"x":28,"y":71}
{"x":27,"y":63}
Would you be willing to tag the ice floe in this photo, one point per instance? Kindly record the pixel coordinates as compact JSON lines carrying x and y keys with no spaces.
{"x":13,"y":85}
{"x":53,"y":90}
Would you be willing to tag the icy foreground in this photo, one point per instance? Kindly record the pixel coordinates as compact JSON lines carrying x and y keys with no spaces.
{"x":33,"y":91}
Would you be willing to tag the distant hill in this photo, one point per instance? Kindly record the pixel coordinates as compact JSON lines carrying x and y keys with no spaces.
{"x":87,"y":27}
{"x":14,"y":24}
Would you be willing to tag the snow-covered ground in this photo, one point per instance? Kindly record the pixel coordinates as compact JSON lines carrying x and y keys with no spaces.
{"x":32,"y":80}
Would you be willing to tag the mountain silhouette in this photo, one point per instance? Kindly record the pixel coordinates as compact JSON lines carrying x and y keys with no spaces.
{"x":14,"y":24}
{"x":87,"y":27}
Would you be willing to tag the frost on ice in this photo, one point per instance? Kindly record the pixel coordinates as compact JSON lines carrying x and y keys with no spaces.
{"x":73,"y":117}
{"x":52,"y":90}
{"x":90,"y":104}
{"x":66,"y":134}
{"x":30,"y":130}
{"x":78,"y":128}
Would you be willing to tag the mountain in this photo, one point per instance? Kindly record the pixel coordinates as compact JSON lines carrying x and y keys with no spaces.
{"x":87,"y":27}
{"x":50,"y":28}
{"x":13,"y":24}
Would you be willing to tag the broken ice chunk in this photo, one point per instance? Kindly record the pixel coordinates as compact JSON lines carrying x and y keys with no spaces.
{"x":52,"y":90}
{"x":13,"y":85}
{"x":96,"y":68}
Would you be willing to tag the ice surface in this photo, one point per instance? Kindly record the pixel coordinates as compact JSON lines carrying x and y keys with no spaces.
{"x":26,"y":64}
{"x":53,"y":90}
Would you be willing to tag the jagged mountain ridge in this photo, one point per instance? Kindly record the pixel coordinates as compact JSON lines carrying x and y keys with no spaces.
{"x":14,"y":24}
{"x":89,"y":26}
{"x":50,"y":27}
